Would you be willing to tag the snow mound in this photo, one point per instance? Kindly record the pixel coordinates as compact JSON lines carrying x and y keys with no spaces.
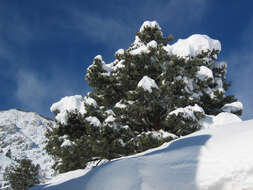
{"x":233,"y":107}
{"x":216,"y":158}
{"x":69,"y":104}
{"x":221,"y":119}
{"x":147,"y":84}
{"x":193,"y":46}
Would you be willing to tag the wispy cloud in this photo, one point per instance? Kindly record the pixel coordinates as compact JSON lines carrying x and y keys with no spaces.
{"x":37,"y":92}
{"x":242,"y":62}
{"x":31,"y":91}
{"x":101,"y":29}
{"x":114,"y":27}
{"x":120,"y":26}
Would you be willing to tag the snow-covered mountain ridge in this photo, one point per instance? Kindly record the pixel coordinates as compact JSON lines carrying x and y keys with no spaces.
{"x":22,"y":134}
{"x":216,"y":158}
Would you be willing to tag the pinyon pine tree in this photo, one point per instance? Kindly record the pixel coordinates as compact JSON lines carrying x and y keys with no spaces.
{"x":151,"y":93}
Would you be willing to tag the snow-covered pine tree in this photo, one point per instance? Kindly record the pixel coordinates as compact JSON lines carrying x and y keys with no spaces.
{"x":151,"y":93}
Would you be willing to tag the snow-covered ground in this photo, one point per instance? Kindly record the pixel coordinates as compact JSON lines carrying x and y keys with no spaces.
{"x":215,"y":158}
{"x":23,"y":135}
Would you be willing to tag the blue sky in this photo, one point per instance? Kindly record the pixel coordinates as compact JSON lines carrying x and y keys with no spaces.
{"x":46,"y":46}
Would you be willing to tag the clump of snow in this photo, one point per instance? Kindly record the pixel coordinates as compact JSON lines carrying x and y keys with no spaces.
{"x":106,"y":67}
{"x":152,"y":44}
{"x":218,"y":158}
{"x":140,"y":50}
{"x":68,"y":104}
{"x":204,"y":73}
{"x":149,"y":24}
{"x":219,"y":85}
{"x":219,"y":65}
{"x":144,"y":48}
{"x":193,"y":46}
{"x":188,"y":111}
{"x":124,"y":127}
{"x":147,"y":84}
{"x":93,"y":121}
{"x":90,"y":101}
{"x":109,"y":112}
{"x":137,"y":43}
{"x":120,"y":52}
{"x":233,"y":107}
{"x":66,"y":142}
{"x":120,"y":105}
{"x":110,"y":119}
{"x":161,"y":134}
{"x":119,"y":65}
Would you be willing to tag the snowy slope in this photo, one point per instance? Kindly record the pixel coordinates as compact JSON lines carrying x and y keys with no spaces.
{"x":218,"y":158}
{"x":23,"y":134}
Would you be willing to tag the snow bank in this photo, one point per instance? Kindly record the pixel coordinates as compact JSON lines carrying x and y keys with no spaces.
{"x":218,"y":158}
{"x":193,"y":46}
{"x":69,"y":104}
{"x":147,"y":84}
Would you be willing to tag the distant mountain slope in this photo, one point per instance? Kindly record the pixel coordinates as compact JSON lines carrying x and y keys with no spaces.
{"x":23,"y":135}
{"x":218,"y":158}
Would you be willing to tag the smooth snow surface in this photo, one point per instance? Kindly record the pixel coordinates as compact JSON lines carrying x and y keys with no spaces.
{"x":147,"y":84}
{"x":219,"y":158}
{"x":193,"y":46}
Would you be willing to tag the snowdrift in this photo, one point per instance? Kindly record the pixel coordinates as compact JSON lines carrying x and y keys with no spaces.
{"x":219,"y":158}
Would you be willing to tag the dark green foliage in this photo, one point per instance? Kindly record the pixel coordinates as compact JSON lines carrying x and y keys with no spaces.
{"x":8,"y":153}
{"x":22,"y":176}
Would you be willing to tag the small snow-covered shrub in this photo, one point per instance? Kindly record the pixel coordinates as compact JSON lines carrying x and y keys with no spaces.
{"x":22,"y":176}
